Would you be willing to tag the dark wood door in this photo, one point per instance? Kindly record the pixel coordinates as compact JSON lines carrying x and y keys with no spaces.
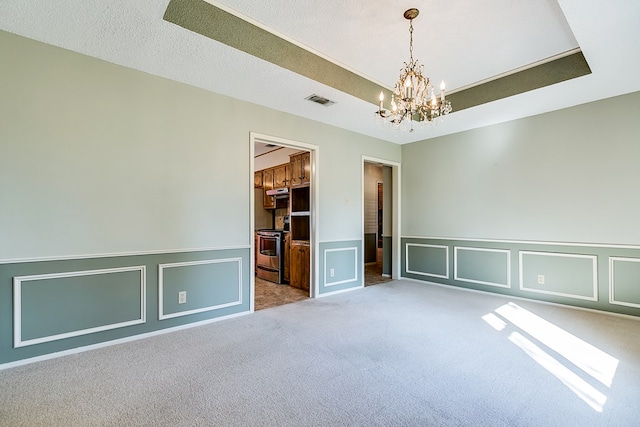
{"x":300,"y":274}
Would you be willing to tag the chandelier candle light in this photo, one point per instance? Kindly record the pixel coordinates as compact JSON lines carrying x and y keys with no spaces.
{"x":414,"y":97}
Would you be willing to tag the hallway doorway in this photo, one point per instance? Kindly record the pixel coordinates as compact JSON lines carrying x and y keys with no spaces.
{"x":378,"y":221}
{"x":374,"y":272}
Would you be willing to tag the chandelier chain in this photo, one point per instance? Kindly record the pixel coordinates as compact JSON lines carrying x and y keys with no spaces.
{"x":411,"y":40}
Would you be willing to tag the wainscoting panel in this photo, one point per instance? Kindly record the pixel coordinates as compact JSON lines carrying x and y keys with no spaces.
{"x":491,"y":267}
{"x":56,"y":306}
{"x":567,"y":275}
{"x":345,"y":259}
{"x":208,"y":285}
{"x":624,"y":281}
{"x":596,"y":276}
{"x":49,"y":307}
{"x":427,"y":260}
{"x":340,"y":266}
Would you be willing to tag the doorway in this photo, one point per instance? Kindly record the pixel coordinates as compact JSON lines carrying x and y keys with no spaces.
{"x":283,"y":204}
{"x":380,"y":206}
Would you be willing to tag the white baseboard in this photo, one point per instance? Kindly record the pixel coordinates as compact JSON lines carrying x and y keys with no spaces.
{"x":77,"y":350}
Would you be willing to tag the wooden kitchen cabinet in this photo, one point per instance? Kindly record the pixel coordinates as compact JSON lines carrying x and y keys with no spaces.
{"x":300,"y":168}
{"x":300,"y":272}
{"x":280,"y":179}
{"x":269,"y":202}
{"x":257,"y":179}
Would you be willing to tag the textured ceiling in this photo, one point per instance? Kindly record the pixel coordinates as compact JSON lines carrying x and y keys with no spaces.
{"x":464,"y":43}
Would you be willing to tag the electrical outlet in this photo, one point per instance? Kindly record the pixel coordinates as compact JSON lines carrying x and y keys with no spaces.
{"x":182,"y":297}
{"x":540,"y":279}
{"x":332,"y":272}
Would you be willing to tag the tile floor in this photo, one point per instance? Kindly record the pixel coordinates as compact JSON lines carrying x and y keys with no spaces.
{"x":269,"y":294}
{"x":373,"y":274}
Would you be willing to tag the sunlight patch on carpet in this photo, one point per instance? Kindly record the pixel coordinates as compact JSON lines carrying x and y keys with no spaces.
{"x":591,"y":360}
{"x":497,"y":323}
{"x":580,"y":387}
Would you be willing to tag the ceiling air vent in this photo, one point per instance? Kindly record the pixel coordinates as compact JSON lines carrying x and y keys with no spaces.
{"x":320,"y":100}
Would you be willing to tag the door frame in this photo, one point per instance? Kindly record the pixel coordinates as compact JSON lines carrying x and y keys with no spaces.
{"x":395,"y":211}
{"x":314,"y":160}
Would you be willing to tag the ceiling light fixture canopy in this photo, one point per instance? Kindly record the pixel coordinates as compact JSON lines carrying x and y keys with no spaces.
{"x":414,"y":98}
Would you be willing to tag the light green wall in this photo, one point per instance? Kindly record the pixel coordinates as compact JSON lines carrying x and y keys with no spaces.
{"x":516,"y":192}
{"x":97,"y":158}
{"x":570,"y":175}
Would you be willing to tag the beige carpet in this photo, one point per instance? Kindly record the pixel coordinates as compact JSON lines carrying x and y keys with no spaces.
{"x":396,"y":354}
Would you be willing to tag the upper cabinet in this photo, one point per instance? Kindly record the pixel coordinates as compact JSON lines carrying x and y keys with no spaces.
{"x":257,"y":179}
{"x":300,"y":168}
{"x":267,"y":184}
{"x":270,"y":179}
{"x":281,"y":176}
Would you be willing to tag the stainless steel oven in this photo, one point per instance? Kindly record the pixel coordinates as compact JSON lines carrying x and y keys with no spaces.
{"x":270,"y":260}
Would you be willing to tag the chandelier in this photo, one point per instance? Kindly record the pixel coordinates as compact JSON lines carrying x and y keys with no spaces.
{"x":413,"y":98}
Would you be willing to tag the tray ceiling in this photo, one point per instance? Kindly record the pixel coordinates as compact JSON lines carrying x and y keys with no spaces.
{"x":501,"y":59}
